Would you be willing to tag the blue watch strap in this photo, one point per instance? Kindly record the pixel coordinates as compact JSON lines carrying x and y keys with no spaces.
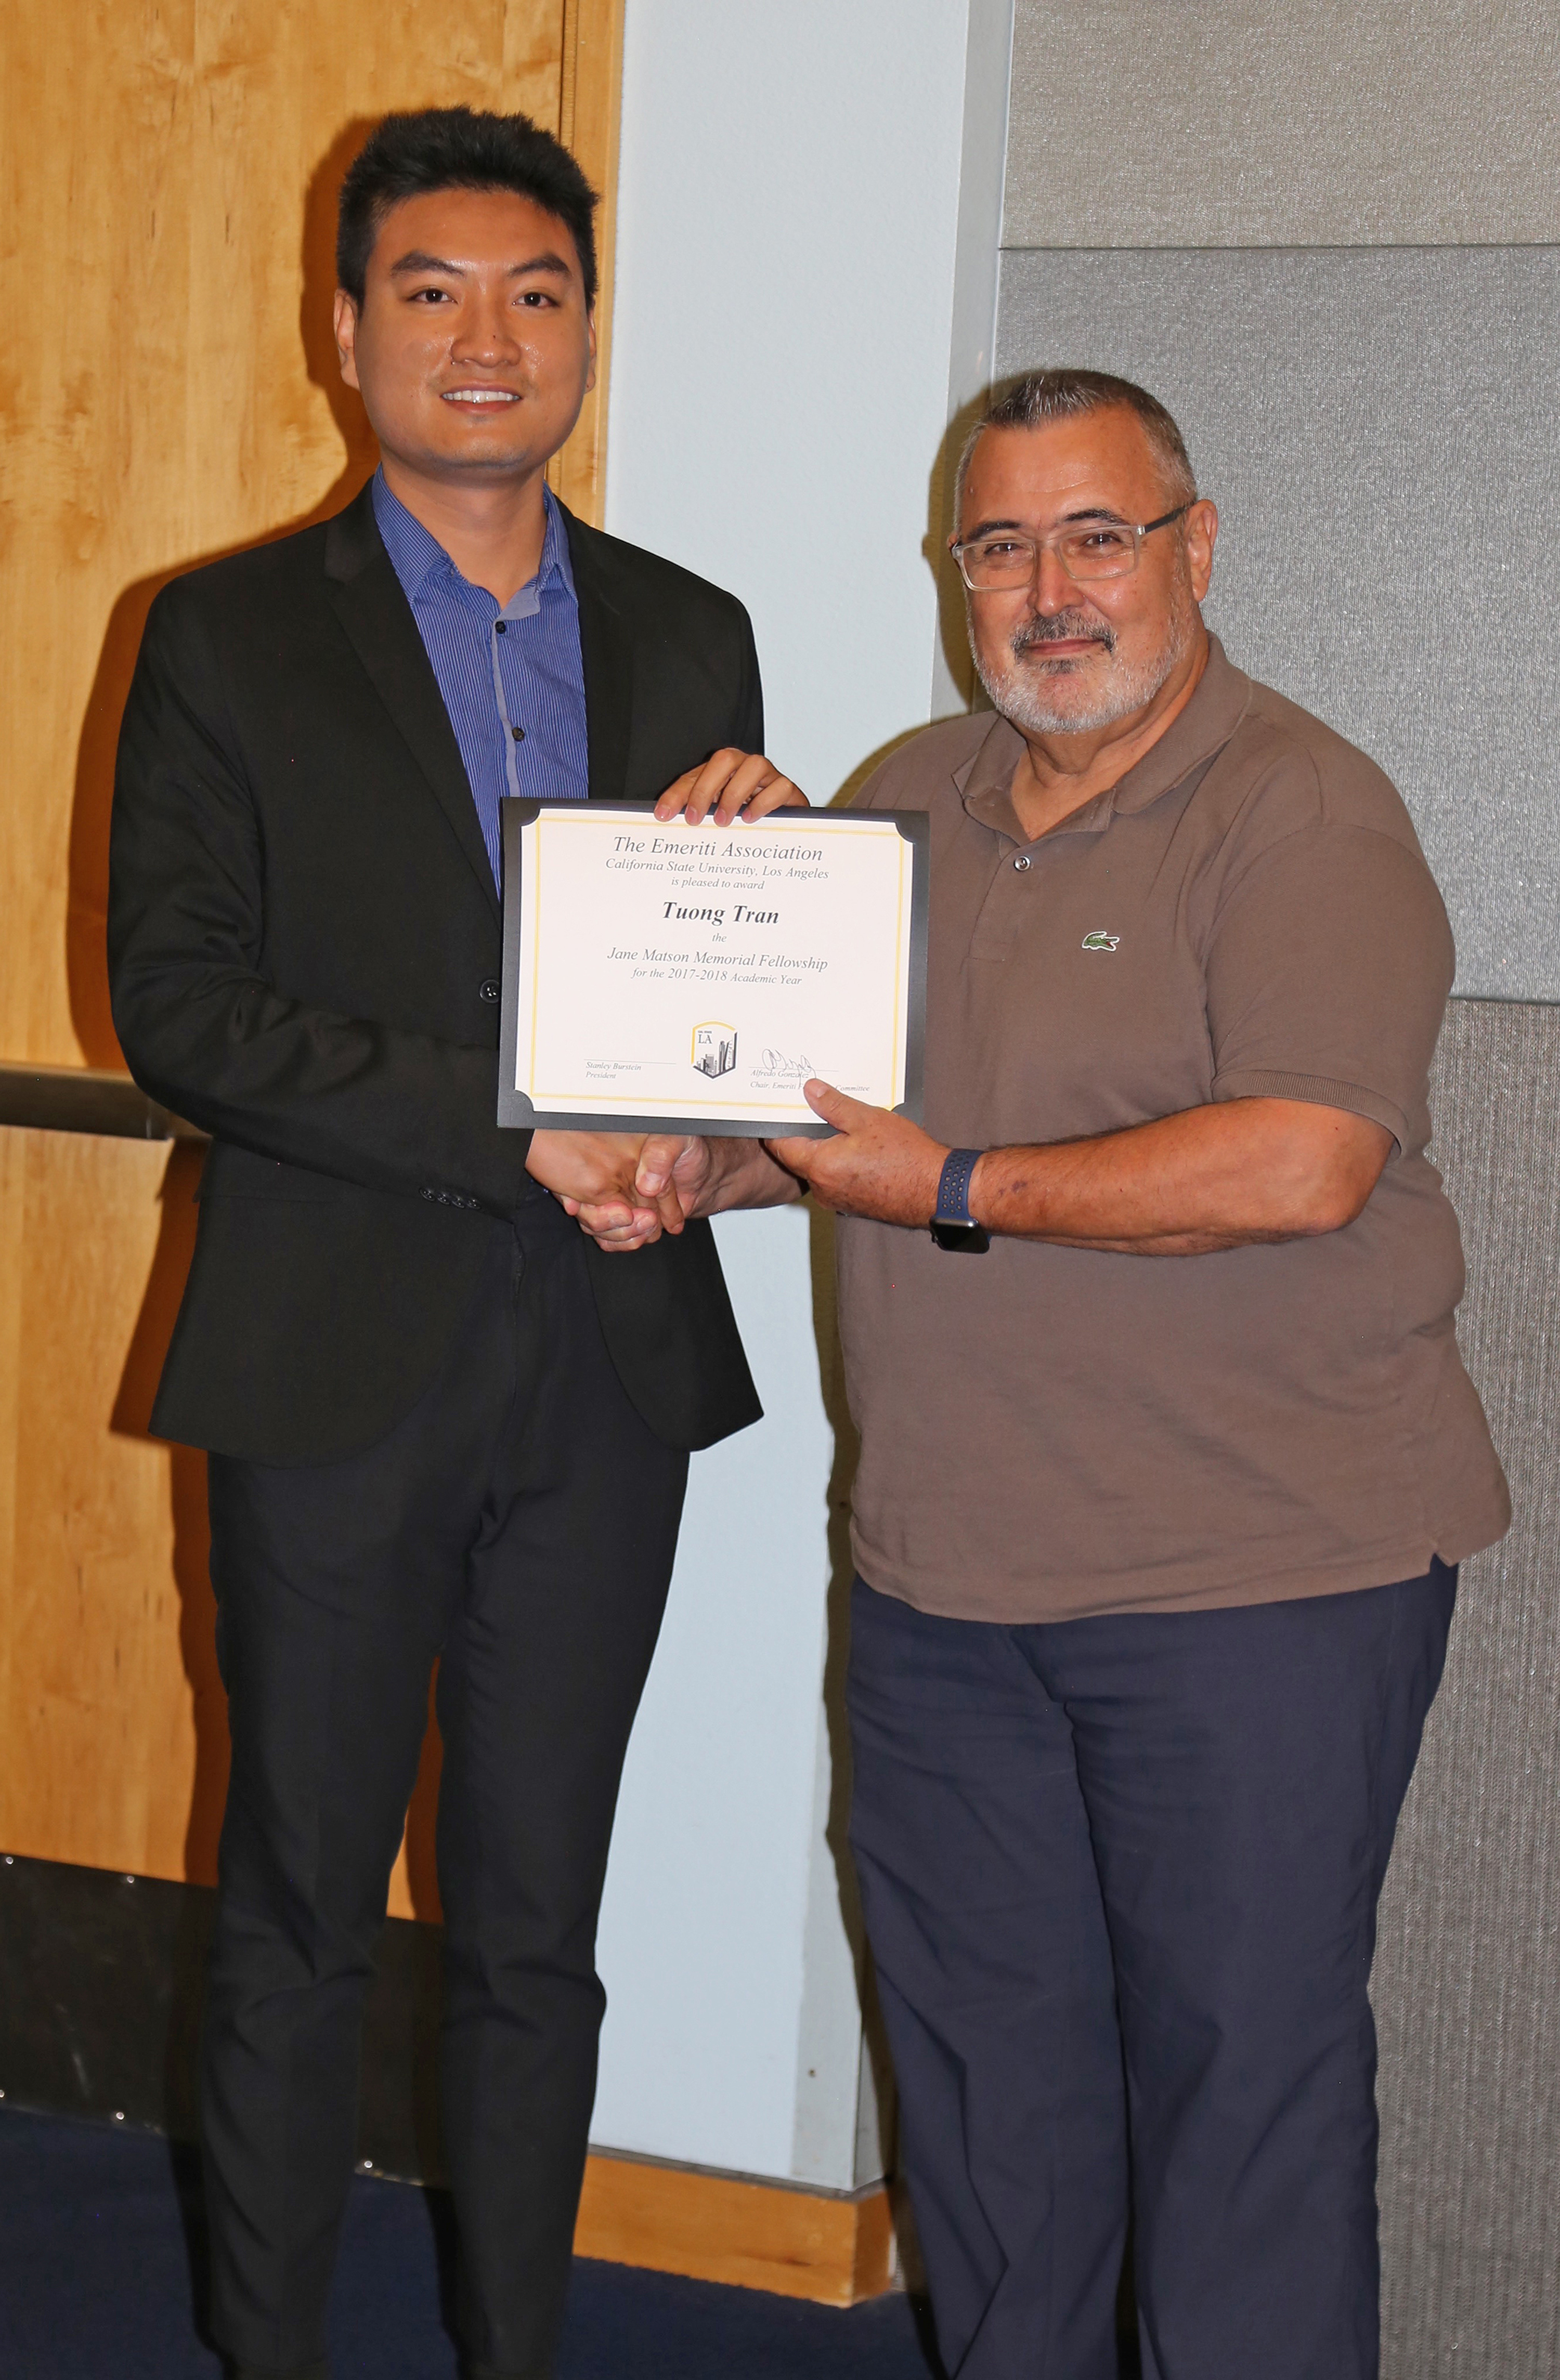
{"x":953,"y":1188}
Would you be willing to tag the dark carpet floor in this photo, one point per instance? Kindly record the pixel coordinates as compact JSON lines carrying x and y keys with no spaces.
{"x":99,"y":2237}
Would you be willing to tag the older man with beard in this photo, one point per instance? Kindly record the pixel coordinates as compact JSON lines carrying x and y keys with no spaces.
{"x":1167,"y":1456}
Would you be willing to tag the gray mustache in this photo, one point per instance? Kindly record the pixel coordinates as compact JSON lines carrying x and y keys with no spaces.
{"x":1058,"y":627}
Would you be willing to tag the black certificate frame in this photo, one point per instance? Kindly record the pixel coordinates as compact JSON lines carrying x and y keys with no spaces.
{"x":514,"y":1107}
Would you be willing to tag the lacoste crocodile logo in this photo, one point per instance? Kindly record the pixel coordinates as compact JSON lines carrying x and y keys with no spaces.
{"x":1101,"y":941}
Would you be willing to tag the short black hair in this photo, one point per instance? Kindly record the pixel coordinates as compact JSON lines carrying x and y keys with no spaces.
{"x":456,"y":149}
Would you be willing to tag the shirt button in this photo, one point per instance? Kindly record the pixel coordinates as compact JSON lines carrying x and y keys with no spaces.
{"x":1022,"y":862}
{"x":489,"y":988}
{"x":519,"y":733}
{"x":499,"y":627}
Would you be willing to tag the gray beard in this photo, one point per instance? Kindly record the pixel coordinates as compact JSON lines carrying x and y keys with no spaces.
{"x":1027,"y":696}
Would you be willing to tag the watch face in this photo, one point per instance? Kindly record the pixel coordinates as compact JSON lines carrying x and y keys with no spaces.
{"x":972,"y":1238}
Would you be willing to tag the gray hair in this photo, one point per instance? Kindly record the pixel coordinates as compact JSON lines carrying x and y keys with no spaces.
{"x":1038,"y":398}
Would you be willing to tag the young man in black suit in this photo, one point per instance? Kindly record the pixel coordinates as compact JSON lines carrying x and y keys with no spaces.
{"x":442,"y":1421}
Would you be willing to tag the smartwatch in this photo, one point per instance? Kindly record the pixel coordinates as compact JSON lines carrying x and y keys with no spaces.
{"x":953,"y":1225}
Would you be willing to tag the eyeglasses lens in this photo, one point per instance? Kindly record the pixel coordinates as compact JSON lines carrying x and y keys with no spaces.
{"x":1093,"y":549}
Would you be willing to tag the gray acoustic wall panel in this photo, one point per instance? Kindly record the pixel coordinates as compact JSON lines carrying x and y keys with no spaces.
{"x":1466,"y":1983}
{"x":1374,"y":425}
{"x":1252,"y":123}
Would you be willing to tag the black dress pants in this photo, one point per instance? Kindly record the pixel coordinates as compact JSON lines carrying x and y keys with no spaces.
{"x":518,"y":1526}
{"x":1120,"y":1878}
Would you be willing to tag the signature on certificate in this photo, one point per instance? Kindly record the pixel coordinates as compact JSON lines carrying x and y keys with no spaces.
{"x":774,"y":1067}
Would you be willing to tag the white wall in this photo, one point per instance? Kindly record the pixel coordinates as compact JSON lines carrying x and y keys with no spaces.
{"x":783,"y":350}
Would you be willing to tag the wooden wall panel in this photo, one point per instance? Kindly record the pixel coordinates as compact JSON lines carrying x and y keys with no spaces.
{"x":112,"y":1739}
{"x":168,"y":171}
{"x":588,"y":120}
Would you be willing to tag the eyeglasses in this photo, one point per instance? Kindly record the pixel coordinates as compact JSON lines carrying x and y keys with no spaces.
{"x":1086,"y":550}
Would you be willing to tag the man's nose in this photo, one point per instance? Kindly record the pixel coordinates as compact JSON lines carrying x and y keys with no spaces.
{"x":486,"y":331}
{"x":1053,"y":589}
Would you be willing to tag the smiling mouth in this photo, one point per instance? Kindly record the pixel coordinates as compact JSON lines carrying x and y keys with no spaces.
{"x":493,"y":396}
{"x":1033,"y":644}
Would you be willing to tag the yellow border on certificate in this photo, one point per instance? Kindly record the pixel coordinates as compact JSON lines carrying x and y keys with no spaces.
{"x":637,"y":1102}
{"x":530,"y":879}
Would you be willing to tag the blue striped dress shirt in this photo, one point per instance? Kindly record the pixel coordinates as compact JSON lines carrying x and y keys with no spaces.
{"x":511,"y":676}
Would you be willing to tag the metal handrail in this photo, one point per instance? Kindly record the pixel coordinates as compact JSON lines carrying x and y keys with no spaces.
{"x":84,"y":1099}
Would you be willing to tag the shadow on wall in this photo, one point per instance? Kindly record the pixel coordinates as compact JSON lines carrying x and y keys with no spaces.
{"x":100,"y":729}
{"x":955,"y":651}
{"x":952,"y":632}
{"x":88,"y":976}
{"x":842,"y":1570}
{"x":941,"y":525}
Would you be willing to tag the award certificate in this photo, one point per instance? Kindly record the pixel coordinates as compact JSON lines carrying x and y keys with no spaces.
{"x":691,"y":978}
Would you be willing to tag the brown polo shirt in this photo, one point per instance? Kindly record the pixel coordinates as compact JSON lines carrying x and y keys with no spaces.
{"x":1048,"y":1431}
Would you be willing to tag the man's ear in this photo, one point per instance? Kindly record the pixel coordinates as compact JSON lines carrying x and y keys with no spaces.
{"x":344,"y":319}
{"x":590,"y":370}
{"x":1202,"y":529}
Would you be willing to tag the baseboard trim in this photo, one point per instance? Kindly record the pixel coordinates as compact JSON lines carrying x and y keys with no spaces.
{"x":709,"y":2227}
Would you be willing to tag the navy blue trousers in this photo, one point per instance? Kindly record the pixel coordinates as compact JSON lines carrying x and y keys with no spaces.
{"x":1120,"y":1878}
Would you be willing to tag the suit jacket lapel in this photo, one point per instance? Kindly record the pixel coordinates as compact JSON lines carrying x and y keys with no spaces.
{"x":369,"y":603}
{"x":606,"y":651}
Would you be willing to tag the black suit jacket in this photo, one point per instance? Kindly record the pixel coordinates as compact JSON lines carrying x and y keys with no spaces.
{"x":304,"y":955}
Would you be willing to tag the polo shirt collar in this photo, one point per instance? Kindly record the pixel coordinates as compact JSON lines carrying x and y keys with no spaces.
{"x":416,"y":556}
{"x":1203,"y":728}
